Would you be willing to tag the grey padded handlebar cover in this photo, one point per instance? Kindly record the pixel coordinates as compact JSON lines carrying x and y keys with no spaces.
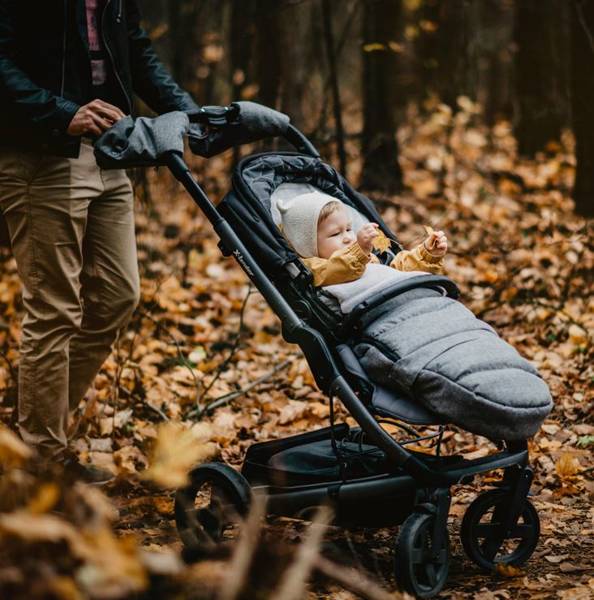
{"x":142,"y":142}
{"x":254,"y":122}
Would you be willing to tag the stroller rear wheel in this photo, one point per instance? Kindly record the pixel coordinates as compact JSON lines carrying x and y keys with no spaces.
{"x":419,"y":567}
{"x":216,"y":499}
{"x":483,"y":539}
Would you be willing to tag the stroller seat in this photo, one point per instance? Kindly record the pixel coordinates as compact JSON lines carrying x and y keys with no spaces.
{"x":386,"y":402}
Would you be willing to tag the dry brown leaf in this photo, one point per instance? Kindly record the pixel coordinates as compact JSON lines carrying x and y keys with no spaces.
{"x":127,"y":459}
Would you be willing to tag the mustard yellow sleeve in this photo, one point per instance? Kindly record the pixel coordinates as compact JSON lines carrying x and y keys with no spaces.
{"x":418,"y":259}
{"x":343,"y":266}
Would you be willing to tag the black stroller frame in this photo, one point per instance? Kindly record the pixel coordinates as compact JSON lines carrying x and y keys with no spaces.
{"x":385,"y":484}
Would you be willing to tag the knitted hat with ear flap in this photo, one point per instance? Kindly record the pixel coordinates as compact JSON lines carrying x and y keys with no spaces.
{"x":299,"y":220}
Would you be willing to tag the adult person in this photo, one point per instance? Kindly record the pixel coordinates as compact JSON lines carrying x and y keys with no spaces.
{"x":68,"y":71}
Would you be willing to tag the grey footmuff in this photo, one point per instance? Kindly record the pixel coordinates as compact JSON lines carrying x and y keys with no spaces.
{"x":456,"y":365}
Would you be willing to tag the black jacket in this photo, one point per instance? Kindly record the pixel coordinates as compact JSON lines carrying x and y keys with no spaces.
{"x":45,"y":73}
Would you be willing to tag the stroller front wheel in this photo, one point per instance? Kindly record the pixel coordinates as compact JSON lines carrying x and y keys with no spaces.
{"x":419,"y":567}
{"x":483,"y":539}
{"x":217,"y":498}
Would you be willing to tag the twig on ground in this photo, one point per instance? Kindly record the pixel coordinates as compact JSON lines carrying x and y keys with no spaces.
{"x":184,"y":361}
{"x":221,"y":400}
{"x":232,"y":352}
{"x":158,"y":411}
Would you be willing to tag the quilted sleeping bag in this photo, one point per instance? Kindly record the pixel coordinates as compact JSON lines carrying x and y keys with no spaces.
{"x":433,"y":348}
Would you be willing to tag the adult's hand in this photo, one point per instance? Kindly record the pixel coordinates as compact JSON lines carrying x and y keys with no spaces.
{"x":94,"y":118}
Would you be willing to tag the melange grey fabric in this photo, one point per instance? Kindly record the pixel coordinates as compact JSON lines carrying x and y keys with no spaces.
{"x":142,"y":142}
{"x":255,"y":122}
{"x":436,"y":350}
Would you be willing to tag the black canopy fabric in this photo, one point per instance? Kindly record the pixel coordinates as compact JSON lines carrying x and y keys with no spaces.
{"x":248,"y":206}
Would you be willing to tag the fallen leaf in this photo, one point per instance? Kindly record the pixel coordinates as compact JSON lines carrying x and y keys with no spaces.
{"x":13,"y":451}
{"x":567,"y":466}
{"x":45,"y":499}
{"x":508,"y":570}
{"x":381,"y":242}
{"x":176,"y":451}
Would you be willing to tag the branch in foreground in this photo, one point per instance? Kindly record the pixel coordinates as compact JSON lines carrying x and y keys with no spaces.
{"x":355,"y":581}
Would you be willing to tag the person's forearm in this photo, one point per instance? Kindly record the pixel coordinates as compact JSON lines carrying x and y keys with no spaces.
{"x":150,"y":79}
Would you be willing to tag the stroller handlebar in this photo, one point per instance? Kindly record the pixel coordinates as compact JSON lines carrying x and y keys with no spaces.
{"x":148,"y":142}
{"x":222,"y":127}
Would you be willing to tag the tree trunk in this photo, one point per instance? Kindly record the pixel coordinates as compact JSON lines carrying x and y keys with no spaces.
{"x":541,"y":86}
{"x":453,"y":37}
{"x":494,"y":42}
{"x":333,"y":76}
{"x":293,"y":33}
{"x":582,"y":101}
{"x":380,"y":149}
{"x":242,"y":33}
{"x":268,"y":53}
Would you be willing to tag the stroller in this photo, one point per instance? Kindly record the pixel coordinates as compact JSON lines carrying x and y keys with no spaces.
{"x":366,"y":475}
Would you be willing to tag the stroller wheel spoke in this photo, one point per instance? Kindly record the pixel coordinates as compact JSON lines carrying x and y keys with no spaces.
{"x":431,"y":574}
{"x":485,"y":530}
{"x":522,"y":531}
{"x":418,"y":556}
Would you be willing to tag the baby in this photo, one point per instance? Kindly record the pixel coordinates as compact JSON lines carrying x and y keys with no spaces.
{"x":320,"y":230}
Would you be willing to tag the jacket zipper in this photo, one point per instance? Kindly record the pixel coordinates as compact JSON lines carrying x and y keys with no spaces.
{"x":118,"y":19}
{"x":63,"y":85}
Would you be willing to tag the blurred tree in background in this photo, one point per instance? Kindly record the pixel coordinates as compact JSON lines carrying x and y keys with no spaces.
{"x":347,"y":71}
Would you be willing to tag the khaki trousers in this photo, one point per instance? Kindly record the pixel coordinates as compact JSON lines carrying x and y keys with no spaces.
{"x":71,"y":228}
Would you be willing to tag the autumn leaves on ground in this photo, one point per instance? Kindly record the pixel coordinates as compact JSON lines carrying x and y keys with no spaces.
{"x":202,"y":372}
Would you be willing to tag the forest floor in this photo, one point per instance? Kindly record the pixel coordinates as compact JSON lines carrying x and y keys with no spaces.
{"x":524,"y":264}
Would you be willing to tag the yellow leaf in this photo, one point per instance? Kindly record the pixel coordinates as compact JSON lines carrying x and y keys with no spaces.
{"x":508,"y":570}
{"x":567,"y":466}
{"x":577,"y":335}
{"x":64,"y":588}
{"x":374,"y":47}
{"x":428,"y":229}
{"x":45,"y":499}
{"x":13,"y":452}
{"x":428,"y":26}
{"x":381,"y":242}
{"x":176,"y":451}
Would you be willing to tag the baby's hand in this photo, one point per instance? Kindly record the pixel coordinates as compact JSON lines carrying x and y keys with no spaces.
{"x":366,"y":235}
{"x":436,"y":243}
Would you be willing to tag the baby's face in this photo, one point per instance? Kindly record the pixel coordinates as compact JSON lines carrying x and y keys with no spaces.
{"x":335,"y":232}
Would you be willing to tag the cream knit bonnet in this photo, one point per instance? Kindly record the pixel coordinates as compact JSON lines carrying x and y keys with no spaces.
{"x":299,"y":220}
